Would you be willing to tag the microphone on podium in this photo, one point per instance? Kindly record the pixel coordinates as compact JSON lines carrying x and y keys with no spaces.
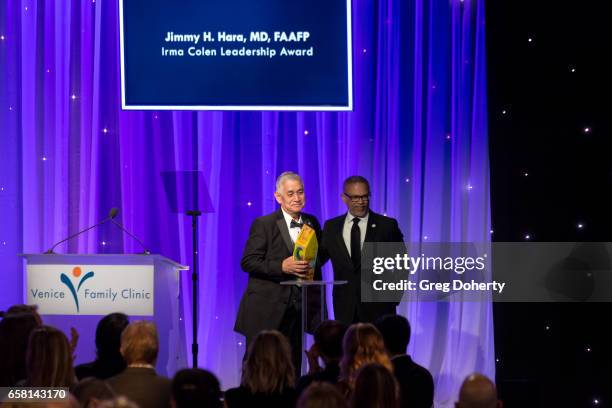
{"x":111,"y":214}
{"x":146,"y":251}
{"x":111,"y":217}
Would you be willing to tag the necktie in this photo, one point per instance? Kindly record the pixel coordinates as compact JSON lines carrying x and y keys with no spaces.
{"x":295,"y":224}
{"x":356,"y":245}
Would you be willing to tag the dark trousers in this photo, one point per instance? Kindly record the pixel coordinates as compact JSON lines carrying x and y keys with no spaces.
{"x":291,"y":328}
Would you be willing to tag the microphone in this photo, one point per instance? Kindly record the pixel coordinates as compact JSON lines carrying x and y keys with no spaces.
{"x":112,"y":214}
{"x":146,"y":251}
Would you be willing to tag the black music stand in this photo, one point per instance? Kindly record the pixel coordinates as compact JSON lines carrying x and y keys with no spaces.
{"x":187,"y":193}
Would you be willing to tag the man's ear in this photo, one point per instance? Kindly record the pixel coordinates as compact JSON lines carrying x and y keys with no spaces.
{"x":344,"y":199}
{"x":278,"y":197}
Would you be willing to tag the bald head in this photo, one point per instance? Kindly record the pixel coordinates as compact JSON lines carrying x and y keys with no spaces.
{"x":477,"y":391}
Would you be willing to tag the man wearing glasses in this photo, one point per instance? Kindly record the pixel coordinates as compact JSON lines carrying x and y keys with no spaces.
{"x":342,"y":242}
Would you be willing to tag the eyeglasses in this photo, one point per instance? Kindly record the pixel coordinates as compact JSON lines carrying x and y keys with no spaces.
{"x":356,"y":198}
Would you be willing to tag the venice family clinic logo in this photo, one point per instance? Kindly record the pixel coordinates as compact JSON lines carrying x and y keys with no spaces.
{"x":76,"y":272}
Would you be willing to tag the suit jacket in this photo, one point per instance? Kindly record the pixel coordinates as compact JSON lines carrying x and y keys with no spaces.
{"x":264,"y":303}
{"x":241,"y":397}
{"x":143,"y":386}
{"x":347,"y":298}
{"x":415,"y":382}
{"x":329,"y":374}
{"x":100,"y":368}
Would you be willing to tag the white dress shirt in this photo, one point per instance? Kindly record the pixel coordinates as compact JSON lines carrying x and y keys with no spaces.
{"x":293,"y":232}
{"x":348,"y":224}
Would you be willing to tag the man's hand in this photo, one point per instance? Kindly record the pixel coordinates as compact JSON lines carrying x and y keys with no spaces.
{"x":313,"y":359}
{"x":297,"y":268}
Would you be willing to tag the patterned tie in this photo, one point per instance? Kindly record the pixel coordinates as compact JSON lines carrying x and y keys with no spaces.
{"x":356,"y":245}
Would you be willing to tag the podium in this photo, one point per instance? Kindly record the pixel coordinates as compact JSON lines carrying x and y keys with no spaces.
{"x":73,"y":290}
{"x":306,"y":284}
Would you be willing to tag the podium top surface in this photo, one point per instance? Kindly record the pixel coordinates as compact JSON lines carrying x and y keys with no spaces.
{"x":101,"y":259}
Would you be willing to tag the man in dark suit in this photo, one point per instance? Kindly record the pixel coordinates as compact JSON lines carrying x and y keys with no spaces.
{"x":415,"y":382}
{"x":343,"y":239}
{"x":139,"y":382}
{"x":109,"y":361}
{"x":268,"y":259}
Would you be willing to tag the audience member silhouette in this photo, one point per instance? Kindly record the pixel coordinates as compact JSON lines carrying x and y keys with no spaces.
{"x":49,"y":359}
{"x":109,"y":361}
{"x":23,"y":309}
{"x":362,"y":344}
{"x":477,"y":391}
{"x":328,"y":346}
{"x":139,"y":382}
{"x":15,"y":331}
{"x":118,"y":402}
{"x":90,"y":392}
{"x":268,"y":375}
{"x":196,"y":388}
{"x":322,"y":395}
{"x":415,"y":382}
{"x":365,"y":366}
{"x":33,"y":310}
{"x":375,"y":387}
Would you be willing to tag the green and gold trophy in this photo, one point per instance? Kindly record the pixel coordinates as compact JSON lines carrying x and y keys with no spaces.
{"x":306,"y":248}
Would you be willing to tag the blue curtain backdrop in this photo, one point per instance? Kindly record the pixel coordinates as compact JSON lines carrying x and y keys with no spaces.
{"x":418,"y":133}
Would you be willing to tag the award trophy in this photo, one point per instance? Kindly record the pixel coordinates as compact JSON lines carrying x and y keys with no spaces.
{"x":306,"y":248}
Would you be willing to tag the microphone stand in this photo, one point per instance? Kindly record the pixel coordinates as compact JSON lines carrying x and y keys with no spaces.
{"x":112,"y":214}
{"x":118,"y":225}
{"x":194,"y":214}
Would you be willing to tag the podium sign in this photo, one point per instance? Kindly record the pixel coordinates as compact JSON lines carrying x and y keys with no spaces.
{"x":74,"y":289}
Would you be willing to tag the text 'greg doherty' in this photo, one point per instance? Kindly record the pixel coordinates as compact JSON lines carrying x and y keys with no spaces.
{"x":411,"y":264}
{"x":445,"y":287}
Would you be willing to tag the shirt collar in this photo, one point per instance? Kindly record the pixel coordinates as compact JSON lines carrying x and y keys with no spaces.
{"x":141,"y":365}
{"x":288,"y":218}
{"x":349,"y":218}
